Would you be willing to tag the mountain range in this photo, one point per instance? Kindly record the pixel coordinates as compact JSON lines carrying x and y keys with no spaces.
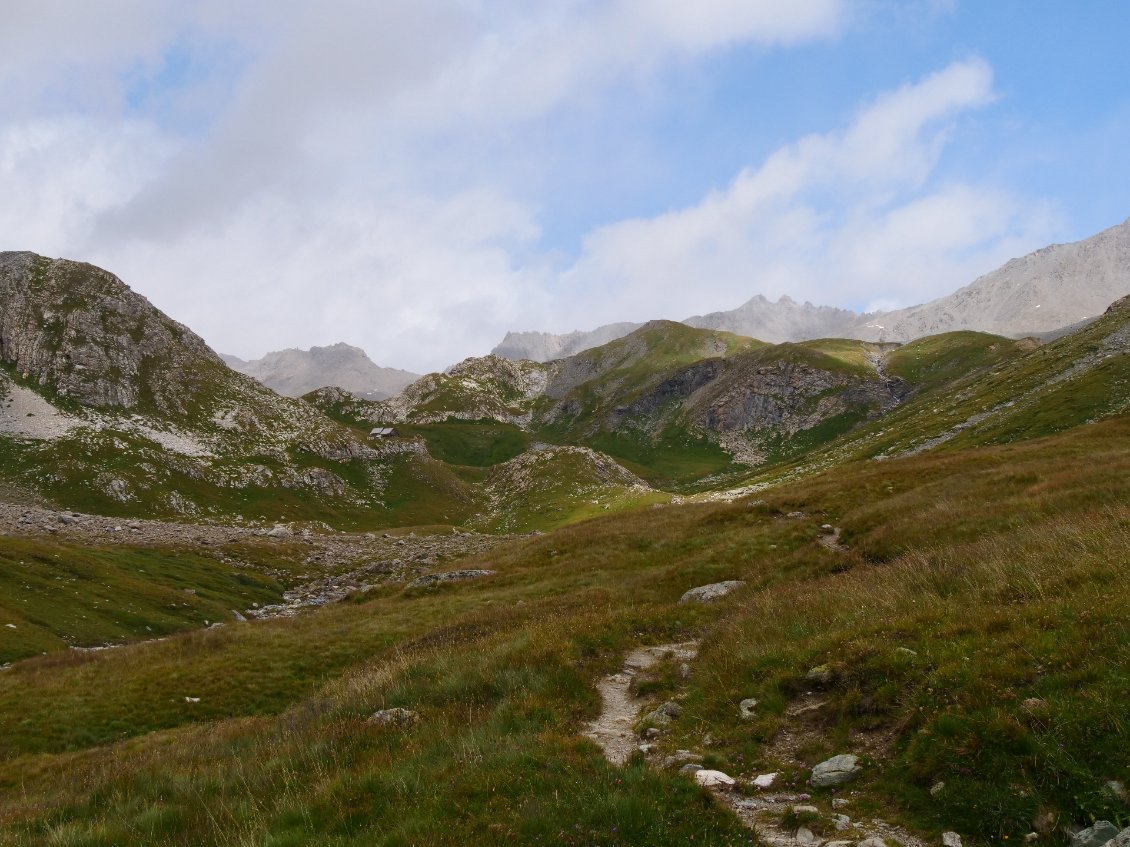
{"x":295,"y":372}
{"x":1040,"y":294}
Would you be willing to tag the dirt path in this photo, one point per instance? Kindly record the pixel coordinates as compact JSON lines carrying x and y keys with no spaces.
{"x":620,"y":709}
{"x":757,"y":806}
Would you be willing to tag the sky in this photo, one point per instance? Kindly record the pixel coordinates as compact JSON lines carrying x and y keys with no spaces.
{"x":418,"y":177}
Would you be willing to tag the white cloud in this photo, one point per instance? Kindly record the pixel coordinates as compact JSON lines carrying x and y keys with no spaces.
{"x":337,"y":171}
{"x":296,"y":173}
{"x":844,"y":218}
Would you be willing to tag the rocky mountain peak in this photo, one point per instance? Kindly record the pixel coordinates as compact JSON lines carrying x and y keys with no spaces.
{"x":81,"y":333}
{"x":295,"y":372}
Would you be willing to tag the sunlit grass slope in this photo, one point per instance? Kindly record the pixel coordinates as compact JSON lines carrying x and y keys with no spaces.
{"x":1001,"y":569}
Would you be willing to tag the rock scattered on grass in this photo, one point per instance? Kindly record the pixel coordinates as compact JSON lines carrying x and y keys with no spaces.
{"x":836,"y":771}
{"x":394,"y":717}
{"x":713,"y":779}
{"x":951,"y":839}
{"x":765,"y":780}
{"x":820,"y":675}
{"x":746,"y":708}
{"x":1096,"y":835}
{"x":433,"y":579}
{"x":711,"y":593}
{"x":666,"y":713}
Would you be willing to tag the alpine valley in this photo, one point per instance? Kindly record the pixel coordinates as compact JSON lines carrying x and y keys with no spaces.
{"x":785,"y":575}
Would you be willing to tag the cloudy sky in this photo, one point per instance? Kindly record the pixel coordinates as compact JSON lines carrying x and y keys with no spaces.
{"x":417,"y":177}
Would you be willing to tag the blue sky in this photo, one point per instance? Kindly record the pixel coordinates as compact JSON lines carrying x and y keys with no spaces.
{"x":417,"y":177}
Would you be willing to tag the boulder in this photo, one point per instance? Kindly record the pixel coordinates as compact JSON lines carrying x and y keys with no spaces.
{"x":1120,"y":840}
{"x":711,"y":593}
{"x":666,"y":713}
{"x":746,"y":708}
{"x":279,"y":531}
{"x":1095,"y":836}
{"x":836,"y":771}
{"x":951,"y":839}
{"x":690,"y":767}
{"x":765,"y":780}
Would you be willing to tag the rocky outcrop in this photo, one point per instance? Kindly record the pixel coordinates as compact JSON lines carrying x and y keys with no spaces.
{"x":79,"y":332}
{"x":486,"y":387}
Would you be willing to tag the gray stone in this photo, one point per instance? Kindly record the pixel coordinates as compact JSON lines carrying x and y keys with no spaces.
{"x":806,"y":838}
{"x":711,"y":593}
{"x":836,"y":771}
{"x":874,"y":841}
{"x":937,"y":788}
{"x":1120,"y":840}
{"x":433,"y":579}
{"x":746,"y":708}
{"x":394,"y":717}
{"x":1096,"y":835}
{"x":682,"y":757}
{"x":690,"y":767}
{"x":671,"y":709}
{"x":951,"y":839}
{"x":279,"y":531}
{"x":805,"y":810}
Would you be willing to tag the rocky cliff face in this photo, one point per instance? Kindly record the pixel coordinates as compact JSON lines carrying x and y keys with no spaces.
{"x":78,"y":332}
{"x":294,"y":373}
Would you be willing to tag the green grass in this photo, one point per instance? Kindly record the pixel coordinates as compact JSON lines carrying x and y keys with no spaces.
{"x":672,"y":461}
{"x":479,"y":444}
{"x":59,"y":595}
{"x":938,"y":360}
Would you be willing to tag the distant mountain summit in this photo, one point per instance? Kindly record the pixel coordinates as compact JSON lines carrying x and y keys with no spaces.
{"x":294,"y":372}
{"x":1060,"y":286}
{"x":785,"y":320}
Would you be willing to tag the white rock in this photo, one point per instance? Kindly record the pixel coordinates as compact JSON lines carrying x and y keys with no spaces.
{"x":712,"y":592}
{"x":765,"y":780}
{"x":951,"y":839}
{"x":713,"y":779}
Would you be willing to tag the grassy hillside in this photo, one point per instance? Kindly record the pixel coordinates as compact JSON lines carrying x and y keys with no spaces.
{"x":996,"y":568}
{"x":60,"y":595}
